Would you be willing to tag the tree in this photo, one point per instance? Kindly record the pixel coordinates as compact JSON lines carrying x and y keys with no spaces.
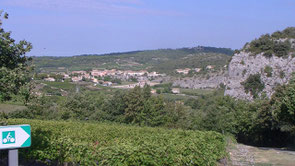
{"x":147,"y":91}
{"x":283,"y":108}
{"x":135,"y":103}
{"x":253,"y":84}
{"x":14,"y":66}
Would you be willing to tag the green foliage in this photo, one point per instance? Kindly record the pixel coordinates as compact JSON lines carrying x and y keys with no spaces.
{"x":283,"y":106}
{"x":226,"y":115}
{"x":271,"y":45}
{"x":282,"y":74}
{"x":14,"y":69}
{"x":268,"y":71}
{"x":165,"y":88}
{"x":133,"y":79}
{"x":40,"y":76}
{"x":136,"y":106}
{"x":244,"y":72}
{"x":253,"y":84}
{"x":13,"y":82}
{"x":162,"y":60}
{"x":194,"y":61}
{"x":108,"y":144}
{"x":80,"y":106}
{"x":287,"y":33}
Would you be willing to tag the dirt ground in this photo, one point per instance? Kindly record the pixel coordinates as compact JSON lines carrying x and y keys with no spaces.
{"x":243,"y":155}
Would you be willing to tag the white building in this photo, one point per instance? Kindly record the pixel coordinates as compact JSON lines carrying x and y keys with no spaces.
{"x":49,"y":79}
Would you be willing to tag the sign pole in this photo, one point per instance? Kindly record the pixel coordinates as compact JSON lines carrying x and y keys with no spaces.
{"x":12,"y":138}
{"x":13,"y":157}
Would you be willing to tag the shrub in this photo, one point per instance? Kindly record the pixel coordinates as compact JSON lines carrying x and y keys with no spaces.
{"x":268,"y":71}
{"x":282,"y":74}
{"x":244,"y":72}
{"x":282,"y":49}
{"x":253,"y":84}
{"x":77,"y":143}
{"x":270,"y":45}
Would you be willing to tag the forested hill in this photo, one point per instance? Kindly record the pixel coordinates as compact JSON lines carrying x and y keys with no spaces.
{"x":161,"y":60}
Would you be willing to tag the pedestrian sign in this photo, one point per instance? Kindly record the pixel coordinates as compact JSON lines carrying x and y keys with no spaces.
{"x":13,"y":137}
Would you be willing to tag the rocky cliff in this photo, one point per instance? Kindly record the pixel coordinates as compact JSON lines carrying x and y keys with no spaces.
{"x":262,"y":65}
{"x":211,"y":81}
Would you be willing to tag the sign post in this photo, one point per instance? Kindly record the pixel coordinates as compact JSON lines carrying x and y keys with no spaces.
{"x":13,"y":138}
{"x":13,"y":157}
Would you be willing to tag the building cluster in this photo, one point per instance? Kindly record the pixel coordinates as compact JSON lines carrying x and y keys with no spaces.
{"x":97,"y":76}
{"x":197,"y":70}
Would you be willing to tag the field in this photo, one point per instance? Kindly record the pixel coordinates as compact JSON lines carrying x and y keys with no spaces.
{"x":11,"y":108}
{"x":61,"y":85}
{"x":197,"y":92}
{"x":113,"y":144}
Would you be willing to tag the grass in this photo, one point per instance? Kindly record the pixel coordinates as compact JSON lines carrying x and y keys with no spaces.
{"x":261,"y":156}
{"x":61,"y":85}
{"x":271,"y":156}
{"x":174,"y":97}
{"x":196,"y":92}
{"x":7,"y":108}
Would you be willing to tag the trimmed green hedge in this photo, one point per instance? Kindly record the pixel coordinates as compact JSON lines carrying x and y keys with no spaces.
{"x":110,"y":144}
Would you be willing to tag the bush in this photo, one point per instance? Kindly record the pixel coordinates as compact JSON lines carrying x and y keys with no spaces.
{"x":253,"y":84}
{"x":282,"y":49}
{"x":287,"y":33}
{"x":244,"y":72}
{"x":79,"y":143}
{"x":268,"y":71}
{"x":270,"y":45}
{"x":282,"y":74}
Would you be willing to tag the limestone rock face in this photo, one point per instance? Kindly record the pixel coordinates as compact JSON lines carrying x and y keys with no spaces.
{"x":213,"y":82}
{"x":243,"y":65}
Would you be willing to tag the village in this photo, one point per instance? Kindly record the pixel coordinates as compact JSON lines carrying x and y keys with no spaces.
{"x":111,"y":78}
{"x":120,"y":79}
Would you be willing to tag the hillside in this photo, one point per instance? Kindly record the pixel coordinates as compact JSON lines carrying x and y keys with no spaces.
{"x":262,"y":65}
{"x":162,"y":60}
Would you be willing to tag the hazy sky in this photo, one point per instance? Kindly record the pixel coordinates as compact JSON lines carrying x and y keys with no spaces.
{"x":72,"y":27}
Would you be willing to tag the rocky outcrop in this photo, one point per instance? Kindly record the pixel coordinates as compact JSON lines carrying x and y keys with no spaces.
{"x":244,"y":64}
{"x":210,"y":81}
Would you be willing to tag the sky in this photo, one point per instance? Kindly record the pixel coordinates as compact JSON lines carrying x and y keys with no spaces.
{"x":74,"y":27}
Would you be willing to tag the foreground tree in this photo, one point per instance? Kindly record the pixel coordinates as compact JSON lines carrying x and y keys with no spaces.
{"x":14,"y":65}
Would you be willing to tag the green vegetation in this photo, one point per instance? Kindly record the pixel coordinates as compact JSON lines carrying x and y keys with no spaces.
{"x":61,"y":85}
{"x":197,"y":61}
{"x":244,"y":72}
{"x":96,"y":125}
{"x":14,"y":69}
{"x":263,"y":122}
{"x":274,"y":44}
{"x":253,"y":84}
{"x":163,"y":88}
{"x":162,"y":60}
{"x":7,"y":108}
{"x":198,"y":92}
{"x":282,"y":74}
{"x":58,"y":142}
{"x":287,"y":33}
{"x":268,"y":71}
